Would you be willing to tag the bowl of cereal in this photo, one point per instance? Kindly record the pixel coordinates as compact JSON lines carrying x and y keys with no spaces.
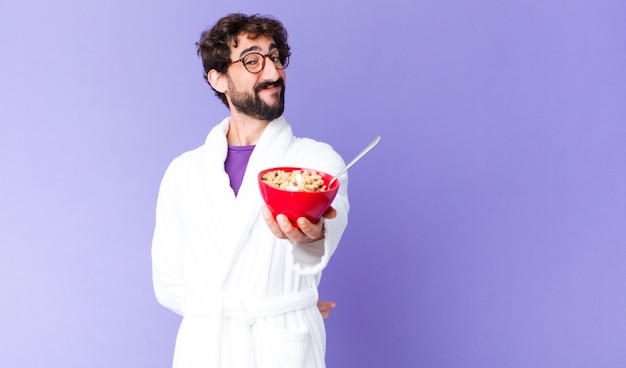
{"x":297,"y":192}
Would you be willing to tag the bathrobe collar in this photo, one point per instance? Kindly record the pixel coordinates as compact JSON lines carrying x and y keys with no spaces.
{"x":233,"y":216}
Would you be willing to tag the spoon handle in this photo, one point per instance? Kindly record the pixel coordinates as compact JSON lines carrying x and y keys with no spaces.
{"x":357,"y":158}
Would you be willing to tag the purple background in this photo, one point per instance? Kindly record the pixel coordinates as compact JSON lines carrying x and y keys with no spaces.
{"x":488,"y":229}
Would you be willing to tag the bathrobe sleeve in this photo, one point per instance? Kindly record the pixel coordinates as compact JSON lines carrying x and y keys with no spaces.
{"x":167,"y":273}
{"x":312,"y":258}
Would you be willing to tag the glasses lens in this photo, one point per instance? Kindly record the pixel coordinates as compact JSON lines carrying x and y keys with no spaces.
{"x":276,"y":58}
{"x":284,"y":61}
{"x":253,"y":62}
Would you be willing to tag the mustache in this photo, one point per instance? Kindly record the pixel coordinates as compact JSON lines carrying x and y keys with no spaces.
{"x":277,"y":83}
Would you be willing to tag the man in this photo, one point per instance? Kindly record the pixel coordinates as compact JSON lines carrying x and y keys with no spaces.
{"x":244,"y":281}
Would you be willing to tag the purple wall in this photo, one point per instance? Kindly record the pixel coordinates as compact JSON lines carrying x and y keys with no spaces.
{"x":488,"y":229}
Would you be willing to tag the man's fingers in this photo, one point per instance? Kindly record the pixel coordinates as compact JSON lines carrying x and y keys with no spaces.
{"x":310,"y":230}
{"x":293,"y":233}
{"x":330,"y":213}
{"x":271,"y":223}
{"x":325,"y":308}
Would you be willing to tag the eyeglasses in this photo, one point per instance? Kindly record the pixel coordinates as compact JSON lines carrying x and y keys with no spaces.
{"x":254,"y":62}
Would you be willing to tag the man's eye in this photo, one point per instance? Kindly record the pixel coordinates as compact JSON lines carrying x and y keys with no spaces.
{"x":275,"y":58}
{"x":251,"y":61}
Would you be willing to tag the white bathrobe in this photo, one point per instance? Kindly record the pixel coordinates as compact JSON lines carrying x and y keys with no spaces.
{"x":247,"y":298}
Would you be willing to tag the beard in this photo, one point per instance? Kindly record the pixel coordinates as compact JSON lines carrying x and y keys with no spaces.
{"x":252,"y":105}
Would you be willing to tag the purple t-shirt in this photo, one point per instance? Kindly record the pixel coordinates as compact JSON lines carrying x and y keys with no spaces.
{"x":236,"y":163}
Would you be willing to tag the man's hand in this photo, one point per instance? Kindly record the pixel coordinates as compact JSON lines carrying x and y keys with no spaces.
{"x":307,"y":231}
{"x":325,"y":308}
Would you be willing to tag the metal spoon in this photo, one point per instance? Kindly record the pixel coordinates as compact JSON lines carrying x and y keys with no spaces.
{"x":357,"y":158}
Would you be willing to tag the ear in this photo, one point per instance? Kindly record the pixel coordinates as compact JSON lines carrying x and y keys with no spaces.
{"x":217,"y":80}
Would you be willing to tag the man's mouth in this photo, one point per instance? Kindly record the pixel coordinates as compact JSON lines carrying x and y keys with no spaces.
{"x":267,"y":85}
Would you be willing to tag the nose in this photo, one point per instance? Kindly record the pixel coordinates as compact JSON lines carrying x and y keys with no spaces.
{"x":269,"y":71}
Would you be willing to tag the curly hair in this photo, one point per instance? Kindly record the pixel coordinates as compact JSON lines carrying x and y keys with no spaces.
{"x":214,"y":44}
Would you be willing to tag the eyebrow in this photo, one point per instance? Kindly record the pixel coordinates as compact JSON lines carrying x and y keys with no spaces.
{"x":273,"y":47}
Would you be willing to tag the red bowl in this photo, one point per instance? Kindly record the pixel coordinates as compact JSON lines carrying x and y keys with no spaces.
{"x":294,"y":205}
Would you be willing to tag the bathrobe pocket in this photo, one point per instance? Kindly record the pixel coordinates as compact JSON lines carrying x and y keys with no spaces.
{"x":277,"y":347}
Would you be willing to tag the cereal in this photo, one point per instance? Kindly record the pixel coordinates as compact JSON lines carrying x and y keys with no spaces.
{"x":295,"y":181}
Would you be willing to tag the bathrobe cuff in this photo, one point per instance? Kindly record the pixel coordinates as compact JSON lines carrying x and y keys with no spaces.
{"x":308,"y":255}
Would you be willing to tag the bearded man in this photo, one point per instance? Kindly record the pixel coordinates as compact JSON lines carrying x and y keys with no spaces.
{"x":245,"y":282}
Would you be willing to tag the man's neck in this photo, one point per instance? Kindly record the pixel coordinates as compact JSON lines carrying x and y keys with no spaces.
{"x":244,"y":130}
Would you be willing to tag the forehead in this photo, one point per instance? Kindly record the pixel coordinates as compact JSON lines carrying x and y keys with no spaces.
{"x":246,"y":44}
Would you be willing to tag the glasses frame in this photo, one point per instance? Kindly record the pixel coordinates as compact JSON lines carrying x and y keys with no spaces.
{"x":278,"y":63}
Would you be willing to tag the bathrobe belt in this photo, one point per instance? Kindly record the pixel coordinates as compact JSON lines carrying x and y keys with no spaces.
{"x":244,"y":311}
{"x":247,"y":310}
